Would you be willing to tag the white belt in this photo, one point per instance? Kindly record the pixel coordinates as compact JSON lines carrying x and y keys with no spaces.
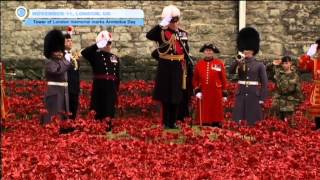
{"x":65,"y":84}
{"x":248,"y":82}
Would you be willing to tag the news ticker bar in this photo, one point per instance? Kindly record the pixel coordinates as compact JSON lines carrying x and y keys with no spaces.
{"x":83,"y":22}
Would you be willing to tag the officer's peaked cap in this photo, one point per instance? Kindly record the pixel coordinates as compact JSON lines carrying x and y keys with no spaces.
{"x":171,"y":11}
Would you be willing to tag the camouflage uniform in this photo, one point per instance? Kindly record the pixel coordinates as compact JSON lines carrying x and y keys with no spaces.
{"x":288,"y":93}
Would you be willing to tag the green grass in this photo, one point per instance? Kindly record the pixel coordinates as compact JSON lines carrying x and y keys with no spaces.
{"x":118,"y":136}
{"x":180,"y":139}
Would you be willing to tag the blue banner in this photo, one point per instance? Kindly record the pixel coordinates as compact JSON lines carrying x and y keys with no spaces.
{"x":83,"y":22}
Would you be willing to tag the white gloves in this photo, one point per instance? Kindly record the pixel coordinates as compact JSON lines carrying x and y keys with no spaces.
{"x":199,"y":95}
{"x":67,"y":56}
{"x":102,"y":43}
{"x":224,"y":99}
{"x":312,"y":50}
{"x":165,"y":21}
{"x":261,"y":102}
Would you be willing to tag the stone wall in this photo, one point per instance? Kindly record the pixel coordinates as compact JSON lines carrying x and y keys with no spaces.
{"x":285,"y":28}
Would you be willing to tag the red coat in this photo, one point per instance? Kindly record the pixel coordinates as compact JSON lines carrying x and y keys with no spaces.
{"x":3,"y":98}
{"x":210,"y":78}
{"x":306,"y":63}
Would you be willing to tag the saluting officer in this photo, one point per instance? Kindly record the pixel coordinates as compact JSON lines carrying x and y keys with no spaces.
{"x":288,"y":88}
{"x":106,"y":76}
{"x":171,"y":79}
{"x":310,"y":62}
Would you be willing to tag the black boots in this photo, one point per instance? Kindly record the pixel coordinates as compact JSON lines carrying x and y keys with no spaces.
{"x":66,"y":130}
{"x":109,"y":128}
{"x":216,"y":124}
{"x":317,"y":121}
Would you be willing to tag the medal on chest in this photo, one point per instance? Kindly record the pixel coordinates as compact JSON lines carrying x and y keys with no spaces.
{"x":183,"y":35}
{"x":114,"y":59}
{"x":216,"y":67}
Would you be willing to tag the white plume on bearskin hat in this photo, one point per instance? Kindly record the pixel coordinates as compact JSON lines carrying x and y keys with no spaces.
{"x":248,"y":39}
{"x":53,"y":42}
{"x":104,"y":35}
{"x":171,"y":11}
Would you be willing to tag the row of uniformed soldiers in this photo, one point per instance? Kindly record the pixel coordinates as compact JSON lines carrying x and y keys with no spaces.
{"x":209,"y":79}
{"x":62,"y":74}
{"x":175,"y":81}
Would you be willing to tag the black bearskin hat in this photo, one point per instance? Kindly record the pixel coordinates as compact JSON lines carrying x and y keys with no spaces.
{"x":54,"y":41}
{"x":210,"y":46}
{"x":318,"y":42}
{"x":248,"y":39}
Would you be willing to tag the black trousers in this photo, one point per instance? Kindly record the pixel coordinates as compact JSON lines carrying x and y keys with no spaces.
{"x":284,"y":114}
{"x":317,"y":121}
{"x":183,"y":109}
{"x":73,"y":105}
{"x":169,"y":114}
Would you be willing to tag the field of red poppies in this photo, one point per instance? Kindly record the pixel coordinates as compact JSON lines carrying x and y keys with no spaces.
{"x":139,"y":148}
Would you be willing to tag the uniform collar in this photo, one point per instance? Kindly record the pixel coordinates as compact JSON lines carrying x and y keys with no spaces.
{"x":173,"y":31}
{"x":249,"y":60}
{"x":106,"y":53}
{"x":208,"y":59}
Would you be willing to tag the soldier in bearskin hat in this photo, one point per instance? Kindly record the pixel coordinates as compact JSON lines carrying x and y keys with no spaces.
{"x":210,"y":87}
{"x":56,"y":67}
{"x":252,"y":76}
{"x":173,"y":82}
{"x":310,"y":62}
{"x":106,"y":76}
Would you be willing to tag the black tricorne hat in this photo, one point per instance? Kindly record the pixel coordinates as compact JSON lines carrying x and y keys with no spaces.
{"x":209,"y":46}
{"x":53,"y":42}
{"x":248,"y":39}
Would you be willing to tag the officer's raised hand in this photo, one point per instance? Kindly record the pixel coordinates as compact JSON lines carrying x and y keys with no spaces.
{"x":276,"y":62}
{"x":312,"y":50}
{"x":102,"y":43}
{"x":165,"y":21}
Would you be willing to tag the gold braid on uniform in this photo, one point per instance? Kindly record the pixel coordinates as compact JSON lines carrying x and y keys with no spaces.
{"x":171,"y":42}
{"x":75,"y":57}
{"x":172,"y":45}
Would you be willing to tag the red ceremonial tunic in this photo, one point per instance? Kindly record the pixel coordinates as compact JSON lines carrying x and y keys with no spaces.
{"x":306,"y":63}
{"x":3,"y":98}
{"x":210,"y":78}
{"x":178,"y":47}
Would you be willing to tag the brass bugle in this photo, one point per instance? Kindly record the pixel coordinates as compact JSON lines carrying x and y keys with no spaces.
{"x":240,"y":56}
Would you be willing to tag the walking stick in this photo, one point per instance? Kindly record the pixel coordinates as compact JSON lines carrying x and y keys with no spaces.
{"x":200,"y":118}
